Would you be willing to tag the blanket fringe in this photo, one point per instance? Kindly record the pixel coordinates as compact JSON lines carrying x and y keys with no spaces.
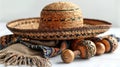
{"x":11,"y":58}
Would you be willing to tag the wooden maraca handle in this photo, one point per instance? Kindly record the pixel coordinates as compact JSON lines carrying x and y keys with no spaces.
{"x":68,"y":55}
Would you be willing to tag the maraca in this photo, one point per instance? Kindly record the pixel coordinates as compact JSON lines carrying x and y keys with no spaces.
{"x":100,"y":47}
{"x":85,"y":49}
{"x":110,"y":43}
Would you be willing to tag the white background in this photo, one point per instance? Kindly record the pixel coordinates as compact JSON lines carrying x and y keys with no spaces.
{"x":108,"y":10}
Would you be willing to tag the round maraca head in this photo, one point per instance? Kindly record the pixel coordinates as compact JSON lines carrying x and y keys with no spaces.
{"x":67,"y":56}
{"x":87,"y":48}
{"x":100,"y":48}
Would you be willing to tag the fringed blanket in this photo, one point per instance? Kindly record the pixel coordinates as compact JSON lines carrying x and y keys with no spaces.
{"x":15,"y":50}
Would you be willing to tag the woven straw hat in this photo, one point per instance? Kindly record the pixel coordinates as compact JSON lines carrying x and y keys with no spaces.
{"x":58,"y":21}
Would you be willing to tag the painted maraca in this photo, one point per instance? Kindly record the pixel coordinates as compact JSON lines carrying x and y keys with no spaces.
{"x":85,"y":49}
{"x":100,"y":47}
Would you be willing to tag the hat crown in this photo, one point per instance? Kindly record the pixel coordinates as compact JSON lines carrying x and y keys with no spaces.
{"x":60,"y":15}
{"x":60,"y":6}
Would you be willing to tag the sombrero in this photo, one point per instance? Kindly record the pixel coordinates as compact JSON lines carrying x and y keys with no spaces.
{"x":58,"y":21}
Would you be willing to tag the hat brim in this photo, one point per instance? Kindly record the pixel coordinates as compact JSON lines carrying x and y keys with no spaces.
{"x":28,"y":27}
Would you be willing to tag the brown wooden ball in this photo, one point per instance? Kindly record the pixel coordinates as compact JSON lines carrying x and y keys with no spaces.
{"x":107,"y":45}
{"x":67,"y":56}
{"x":100,"y":48}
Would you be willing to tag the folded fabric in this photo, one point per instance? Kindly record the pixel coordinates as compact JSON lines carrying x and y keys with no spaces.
{"x":9,"y":39}
{"x":16,"y":50}
{"x":47,"y":51}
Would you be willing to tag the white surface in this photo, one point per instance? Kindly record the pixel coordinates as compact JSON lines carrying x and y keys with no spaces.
{"x":106,"y":60}
{"x":108,"y":10}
